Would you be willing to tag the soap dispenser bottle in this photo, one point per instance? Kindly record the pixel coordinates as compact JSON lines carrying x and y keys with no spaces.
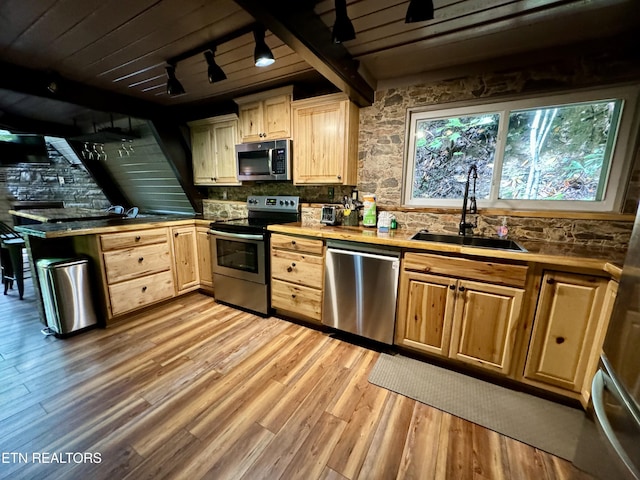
{"x":503,"y":230}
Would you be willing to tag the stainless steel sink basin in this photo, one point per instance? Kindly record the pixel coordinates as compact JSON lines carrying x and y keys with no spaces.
{"x":484,"y":242}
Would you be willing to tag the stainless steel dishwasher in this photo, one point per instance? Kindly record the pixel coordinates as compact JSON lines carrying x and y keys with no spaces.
{"x":361,"y":289}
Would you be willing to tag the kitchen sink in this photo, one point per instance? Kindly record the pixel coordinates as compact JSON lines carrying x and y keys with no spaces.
{"x":483,"y":242}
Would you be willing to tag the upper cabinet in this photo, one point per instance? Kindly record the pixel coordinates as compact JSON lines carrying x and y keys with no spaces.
{"x":325,"y":140}
{"x":265,"y":115}
{"x":213,"y":150}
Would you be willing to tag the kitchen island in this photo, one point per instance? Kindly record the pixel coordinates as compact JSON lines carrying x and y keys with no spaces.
{"x":84,"y":239}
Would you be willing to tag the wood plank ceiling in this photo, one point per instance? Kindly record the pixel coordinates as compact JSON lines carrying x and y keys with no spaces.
{"x":109,"y":56}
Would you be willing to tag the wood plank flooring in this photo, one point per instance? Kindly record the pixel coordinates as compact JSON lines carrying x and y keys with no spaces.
{"x":195,"y":390}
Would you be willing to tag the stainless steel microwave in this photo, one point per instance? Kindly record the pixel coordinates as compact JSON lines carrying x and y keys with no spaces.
{"x":268,"y":160}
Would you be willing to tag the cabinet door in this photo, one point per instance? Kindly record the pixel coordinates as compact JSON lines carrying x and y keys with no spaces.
{"x":204,"y":257}
{"x":251,"y":121}
{"x":225,"y":137}
{"x":566,"y":318}
{"x":320,"y":143}
{"x":185,"y":257}
{"x":202,"y":155}
{"x":484,"y":324}
{"x":426,"y":312}
{"x":277,"y":117}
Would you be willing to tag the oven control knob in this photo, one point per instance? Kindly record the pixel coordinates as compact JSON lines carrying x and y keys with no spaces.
{"x":281,"y":202}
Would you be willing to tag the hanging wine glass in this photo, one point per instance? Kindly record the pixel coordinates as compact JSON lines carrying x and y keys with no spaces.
{"x":102,"y":153}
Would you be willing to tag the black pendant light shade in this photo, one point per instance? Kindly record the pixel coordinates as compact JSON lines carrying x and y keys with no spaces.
{"x":419,"y":11}
{"x":174,"y":87}
{"x":214,"y":71}
{"x":342,"y":28}
{"x":262,"y":54}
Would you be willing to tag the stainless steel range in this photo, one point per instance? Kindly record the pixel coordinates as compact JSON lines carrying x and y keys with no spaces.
{"x":240,"y":252}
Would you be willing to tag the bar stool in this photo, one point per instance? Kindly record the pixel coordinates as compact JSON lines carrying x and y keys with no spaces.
{"x":11,"y":245}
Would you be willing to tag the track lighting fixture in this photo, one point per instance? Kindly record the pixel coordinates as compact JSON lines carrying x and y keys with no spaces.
{"x":262,"y":54}
{"x":174,"y":87}
{"x":342,"y":28}
{"x":419,"y":11}
{"x":214,"y":71}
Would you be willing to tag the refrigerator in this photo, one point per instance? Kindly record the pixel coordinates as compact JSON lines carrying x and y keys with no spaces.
{"x":609,"y":446}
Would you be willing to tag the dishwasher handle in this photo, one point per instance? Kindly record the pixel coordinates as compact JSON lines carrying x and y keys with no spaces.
{"x":354,"y":253}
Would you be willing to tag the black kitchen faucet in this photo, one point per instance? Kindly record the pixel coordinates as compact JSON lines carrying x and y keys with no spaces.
{"x":473,"y":208}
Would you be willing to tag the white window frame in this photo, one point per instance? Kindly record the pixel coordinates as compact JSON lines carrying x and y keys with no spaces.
{"x":619,"y":166}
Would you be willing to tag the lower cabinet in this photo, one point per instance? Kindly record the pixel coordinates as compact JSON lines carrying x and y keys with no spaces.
{"x":185,"y":256}
{"x":471,"y":321}
{"x":138,"y":269}
{"x":204,"y":257}
{"x":297,"y":275}
{"x":567,"y":318}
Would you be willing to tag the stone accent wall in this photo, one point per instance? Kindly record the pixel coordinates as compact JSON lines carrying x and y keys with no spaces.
{"x":383,"y":131}
{"x":311,"y":194}
{"x":42,"y":183}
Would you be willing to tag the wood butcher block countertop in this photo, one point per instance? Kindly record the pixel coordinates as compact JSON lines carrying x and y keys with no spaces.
{"x":66,"y":214}
{"x":609,"y":260}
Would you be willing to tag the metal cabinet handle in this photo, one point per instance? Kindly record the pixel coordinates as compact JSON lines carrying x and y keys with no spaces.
{"x":452,"y":287}
{"x":144,"y":289}
{"x":140,"y":259}
{"x":138,"y":238}
{"x":560,"y":340}
{"x":550,"y":281}
{"x":339,"y":177}
{"x":176,"y":234}
{"x":293,"y":242}
{"x":293,"y":295}
{"x":462,"y":289}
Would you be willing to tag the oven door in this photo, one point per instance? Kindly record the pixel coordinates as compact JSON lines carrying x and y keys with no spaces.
{"x":239,"y":255}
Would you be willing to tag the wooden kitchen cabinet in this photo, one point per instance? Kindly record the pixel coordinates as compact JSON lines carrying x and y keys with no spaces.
{"x":266,"y":115}
{"x":204,"y":258}
{"x":213,"y":150}
{"x":325,"y":139}
{"x":137,"y":269}
{"x":297,"y":276}
{"x":448,"y":307}
{"x":185,"y":257}
{"x":566,"y":320}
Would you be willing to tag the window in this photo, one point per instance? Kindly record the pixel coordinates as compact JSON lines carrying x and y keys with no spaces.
{"x":566,"y":152}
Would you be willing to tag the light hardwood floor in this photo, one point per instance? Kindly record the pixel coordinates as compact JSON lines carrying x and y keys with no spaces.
{"x":194,"y":389}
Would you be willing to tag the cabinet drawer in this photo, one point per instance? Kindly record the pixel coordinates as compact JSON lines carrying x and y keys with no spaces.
{"x":493,"y":272}
{"x":113,"y":241}
{"x":297,"y":298}
{"x":297,"y":268}
{"x":121,"y":265}
{"x":133,"y":294}
{"x":297,"y":244}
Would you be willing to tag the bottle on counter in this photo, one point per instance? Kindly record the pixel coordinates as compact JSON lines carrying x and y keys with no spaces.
{"x":503,"y":230}
{"x":369,"y":217}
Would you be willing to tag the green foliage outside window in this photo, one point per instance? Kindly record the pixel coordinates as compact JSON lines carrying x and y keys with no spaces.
{"x":560,"y":153}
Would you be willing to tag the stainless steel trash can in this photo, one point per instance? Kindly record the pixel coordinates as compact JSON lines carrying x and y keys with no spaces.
{"x":66,"y":293}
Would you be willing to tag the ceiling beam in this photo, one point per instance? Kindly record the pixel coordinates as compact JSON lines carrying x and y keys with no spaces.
{"x":20,"y":124}
{"x":296,"y":24}
{"x":35,"y":82}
